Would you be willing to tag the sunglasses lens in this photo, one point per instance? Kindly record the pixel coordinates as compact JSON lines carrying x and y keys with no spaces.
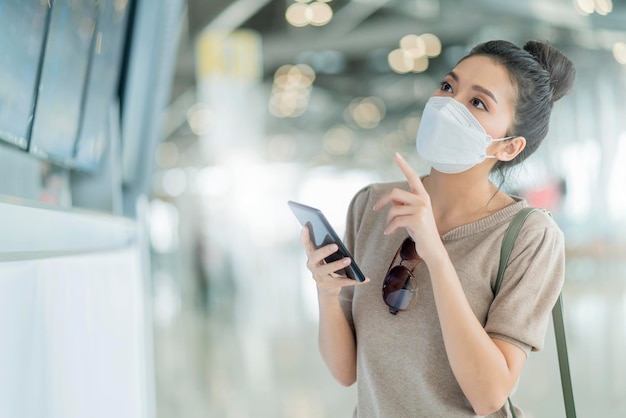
{"x":408,"y":252}
{"x":399,"y":288}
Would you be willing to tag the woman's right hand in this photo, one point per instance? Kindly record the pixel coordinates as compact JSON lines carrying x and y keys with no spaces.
{"x":325,"y":274}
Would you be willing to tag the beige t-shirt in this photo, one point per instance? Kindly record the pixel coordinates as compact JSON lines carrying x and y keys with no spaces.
{"x":402,"y":366}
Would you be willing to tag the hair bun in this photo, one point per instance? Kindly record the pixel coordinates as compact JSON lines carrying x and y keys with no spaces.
{"x":560,"y":68}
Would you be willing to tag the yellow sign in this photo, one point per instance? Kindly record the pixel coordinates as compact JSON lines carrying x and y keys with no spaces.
{"x":236,"y":54}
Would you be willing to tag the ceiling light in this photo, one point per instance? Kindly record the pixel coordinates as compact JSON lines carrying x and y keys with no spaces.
{"x":297,"y":14}
{"x":410,"y":125}
{"x":199,"y":118}
{"x":603,"y":7}
{"x":420,"y":64}
{"x":584,"y":7}
{"x":367,"y":112}
{"x":400,"y":61}
{"x":413,"y":54}
{"x":338,"y":140}
{"x":432,"y":44}
{"x":413,"y":45}
{"x":587,"y":7}
{"x":619,"y":52}
{"x":307,"y":72}
{"x":282,"y":70}
{"x":320,"y":14}
{"x":291,"y":90}
{"x":301,"y":14}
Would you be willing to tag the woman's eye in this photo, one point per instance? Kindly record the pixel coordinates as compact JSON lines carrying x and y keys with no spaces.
{"x":445,"y":86}
{"x":478,"y":103}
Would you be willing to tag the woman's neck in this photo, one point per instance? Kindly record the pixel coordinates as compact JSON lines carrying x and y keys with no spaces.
{"x":461,"y":199}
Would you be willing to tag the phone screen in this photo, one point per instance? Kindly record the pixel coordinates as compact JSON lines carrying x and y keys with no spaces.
{"x":322,"y":233}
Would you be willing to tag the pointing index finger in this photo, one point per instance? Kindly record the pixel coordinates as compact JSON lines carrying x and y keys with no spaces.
{"x":414,"y":179}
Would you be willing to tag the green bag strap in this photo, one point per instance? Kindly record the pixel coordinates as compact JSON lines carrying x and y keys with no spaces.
{"x":507,"y":243}
{"x":561,"y":348}
{"x":557,"y":313}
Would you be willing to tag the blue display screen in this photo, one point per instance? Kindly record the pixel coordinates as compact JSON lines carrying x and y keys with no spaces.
{"x":102,"y":83}
{"x":63,"y":77}
{"x":22,"y":32}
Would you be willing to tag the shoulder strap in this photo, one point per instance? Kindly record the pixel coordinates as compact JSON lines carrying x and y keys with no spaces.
{"x":507,"y":243}
{"x":561,"y":348}
{"x":557,"y":312}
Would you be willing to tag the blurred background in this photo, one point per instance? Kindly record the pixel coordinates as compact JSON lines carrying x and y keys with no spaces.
{"x":149,"y":264}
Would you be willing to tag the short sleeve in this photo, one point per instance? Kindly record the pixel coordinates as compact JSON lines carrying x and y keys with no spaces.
{"x":533,"y":280}
{"x":353,"y":222}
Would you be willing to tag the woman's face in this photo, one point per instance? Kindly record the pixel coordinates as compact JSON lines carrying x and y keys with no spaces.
{"x":485,"y":88}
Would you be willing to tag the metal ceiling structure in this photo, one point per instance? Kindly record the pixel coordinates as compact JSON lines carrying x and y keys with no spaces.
{"x":358,"y":26}
{"x":363,"y":31}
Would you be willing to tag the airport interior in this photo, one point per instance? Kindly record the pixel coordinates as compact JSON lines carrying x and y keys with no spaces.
{"x":150,"y":266}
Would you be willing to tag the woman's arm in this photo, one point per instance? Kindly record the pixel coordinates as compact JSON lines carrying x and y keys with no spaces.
{"x":336,"y":340}
{"x":487,"y":369}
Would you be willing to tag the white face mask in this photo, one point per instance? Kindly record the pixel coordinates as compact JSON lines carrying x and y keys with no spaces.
{"x":450,"y":138}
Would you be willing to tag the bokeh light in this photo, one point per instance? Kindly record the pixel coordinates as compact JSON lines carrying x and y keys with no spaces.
{"x":414,"y":53}
{"x":619,"y":52}
{"x":291,"y":90}
{"x":317,"y":13}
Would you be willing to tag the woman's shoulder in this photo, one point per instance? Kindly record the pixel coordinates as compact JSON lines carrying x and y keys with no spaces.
{"x":540,"y":225}
{"x":540,"y":219}
{"x":374,"y":191}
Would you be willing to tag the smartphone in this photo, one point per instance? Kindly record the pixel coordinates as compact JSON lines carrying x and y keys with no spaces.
{"x":322,"y":234}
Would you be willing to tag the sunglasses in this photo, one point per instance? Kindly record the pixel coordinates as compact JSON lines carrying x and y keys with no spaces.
{"x":400,"y":286}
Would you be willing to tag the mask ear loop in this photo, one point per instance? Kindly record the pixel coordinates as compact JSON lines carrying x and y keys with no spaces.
{"x":497,"y":140}
{"x":503,"y":139}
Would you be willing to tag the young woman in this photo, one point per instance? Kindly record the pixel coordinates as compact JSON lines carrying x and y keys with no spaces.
{"x":424,"y":336}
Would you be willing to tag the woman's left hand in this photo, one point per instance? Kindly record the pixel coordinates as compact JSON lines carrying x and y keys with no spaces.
{"x":412,"y":210}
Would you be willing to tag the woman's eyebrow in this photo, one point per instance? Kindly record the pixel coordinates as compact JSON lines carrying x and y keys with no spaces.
{"x":481,"y":89}
{"x":454,"y":76}
{"x":485,"y":91}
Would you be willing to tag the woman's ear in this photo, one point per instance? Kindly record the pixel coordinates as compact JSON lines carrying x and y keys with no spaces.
{"x":511,"y":149}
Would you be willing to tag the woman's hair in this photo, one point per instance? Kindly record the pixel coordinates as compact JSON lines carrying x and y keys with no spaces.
{"x":541,"y":75}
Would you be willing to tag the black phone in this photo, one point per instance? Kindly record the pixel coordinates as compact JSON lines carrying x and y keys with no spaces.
{"x":322,"y":234}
